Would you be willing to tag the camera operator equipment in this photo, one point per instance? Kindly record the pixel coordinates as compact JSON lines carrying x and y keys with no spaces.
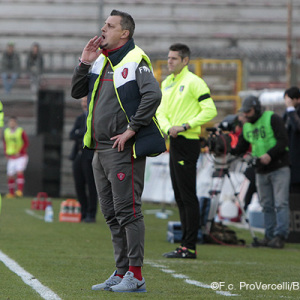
{"x":220,"y":145}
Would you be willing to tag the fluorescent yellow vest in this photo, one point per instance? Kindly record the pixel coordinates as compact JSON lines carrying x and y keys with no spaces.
{"x":13,"y":141}
{"x":260,"y":134}
{"x":131,"y":60}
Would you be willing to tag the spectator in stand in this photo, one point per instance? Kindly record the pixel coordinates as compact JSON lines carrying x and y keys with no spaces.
{"x":292,"y":121}
{"x":82,"y":169}
{"x":10,"y":67}
{"x":15,"y":148}
{"x":35,"y":66}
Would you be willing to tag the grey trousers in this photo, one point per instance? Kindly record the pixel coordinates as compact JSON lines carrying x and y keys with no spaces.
{"x":273,"y":191}
{"x":119,"y":180}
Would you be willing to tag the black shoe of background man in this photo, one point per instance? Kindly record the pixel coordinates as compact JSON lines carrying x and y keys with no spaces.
{"x":277,"y":242}
{"x":261,"y":243}
{"x":181,"y":252}
{"x":90,"y":220}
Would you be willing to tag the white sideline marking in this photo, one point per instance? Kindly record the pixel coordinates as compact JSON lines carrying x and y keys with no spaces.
{"x":168,"y":271}
{"x":32,"y":213}
{"x":186,"y":278}
{"x":29,"y":279}
{"x":154,"y":211}
{"x":180,"y":276}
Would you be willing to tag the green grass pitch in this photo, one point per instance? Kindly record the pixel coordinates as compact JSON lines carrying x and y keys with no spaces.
{"x":69,"y":258}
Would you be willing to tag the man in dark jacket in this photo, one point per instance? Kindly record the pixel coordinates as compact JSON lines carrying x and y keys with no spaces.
{"x":10,"y":67}
{"x":267,"y":135}
{"x":123,"y":96}
{"x":292,"y":122}
{"x":82,"y":169}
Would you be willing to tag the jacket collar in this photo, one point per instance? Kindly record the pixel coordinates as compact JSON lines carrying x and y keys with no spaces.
{"x":181,"y":74}
{"x":116,"y":55}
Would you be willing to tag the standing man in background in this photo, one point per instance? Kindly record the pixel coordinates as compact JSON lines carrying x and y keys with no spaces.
{"x":265,"y":132}
{"x":292,"y":123}
{"x":82,"y":169}
{"x":15,"y":148}
{"x":186,"y":105}
{"x":123,"y":96}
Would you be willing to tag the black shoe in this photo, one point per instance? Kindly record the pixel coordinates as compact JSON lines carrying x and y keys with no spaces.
{"x":277,"y":242}
{"x":89,"y":220}
{"x":261,"y":243}
{"x":181,"y":252}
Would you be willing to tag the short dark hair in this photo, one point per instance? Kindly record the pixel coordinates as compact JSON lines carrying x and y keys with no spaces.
{"x":184,"y":50}
{"x":127,"y":22}
{"x":293,"y":92}
{"x":13,"y":118}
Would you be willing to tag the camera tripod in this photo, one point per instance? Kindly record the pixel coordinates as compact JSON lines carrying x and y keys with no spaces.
{"x":221,"y":166}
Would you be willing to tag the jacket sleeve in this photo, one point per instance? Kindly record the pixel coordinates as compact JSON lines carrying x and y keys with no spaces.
{"x":206,"y":103}
{"x":280,"y":135}
{"x":162,"y":113}
{"x":80,"y":81}
{"x":150,"y":97}
{"x":294,"y":120}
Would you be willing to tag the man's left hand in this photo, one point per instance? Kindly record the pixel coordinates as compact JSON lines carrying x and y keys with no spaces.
{"x":121,"y":139}
{"x":265,"y":159}
{"x":173,"y":131}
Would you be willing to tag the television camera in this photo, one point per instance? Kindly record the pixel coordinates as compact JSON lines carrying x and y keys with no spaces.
{"x":220,"y":142}
{"x":221,"y":138}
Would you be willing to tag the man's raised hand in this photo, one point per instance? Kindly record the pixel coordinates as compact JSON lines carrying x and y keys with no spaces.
{"x":92,"y":50}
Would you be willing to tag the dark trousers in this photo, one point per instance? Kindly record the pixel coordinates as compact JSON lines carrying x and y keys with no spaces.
{"x":250,"y":175}
{"x":295,"y":188}
{"x":184,"y":154}
{"x":85,"y":184}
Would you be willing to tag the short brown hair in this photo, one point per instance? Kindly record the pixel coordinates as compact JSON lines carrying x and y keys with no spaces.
{"x":184,"y":50}
{"x":127,"y":21}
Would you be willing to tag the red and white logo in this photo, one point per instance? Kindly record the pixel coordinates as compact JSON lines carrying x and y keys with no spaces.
{"x":121,"y":176}
{"x":125,"y":73}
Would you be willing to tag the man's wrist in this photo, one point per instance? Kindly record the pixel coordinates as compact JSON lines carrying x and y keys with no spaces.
{"x":81,"y":61}
{"x":130,"y":128}
{"x":185,"y":126}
